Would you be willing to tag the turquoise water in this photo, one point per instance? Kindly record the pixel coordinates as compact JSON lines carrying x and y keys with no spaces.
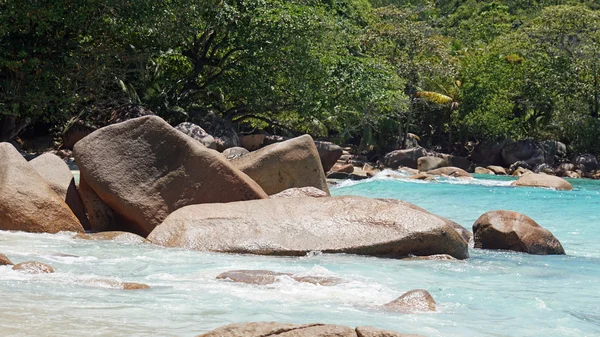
{"x":491,"y":294}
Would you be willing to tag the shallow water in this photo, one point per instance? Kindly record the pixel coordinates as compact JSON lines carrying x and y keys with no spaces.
{"x":490,"y":294}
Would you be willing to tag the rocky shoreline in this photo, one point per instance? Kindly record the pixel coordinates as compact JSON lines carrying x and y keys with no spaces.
{"x":143,"y":181}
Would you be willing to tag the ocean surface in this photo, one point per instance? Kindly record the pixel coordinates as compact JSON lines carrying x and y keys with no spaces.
{"x":494,"y":293}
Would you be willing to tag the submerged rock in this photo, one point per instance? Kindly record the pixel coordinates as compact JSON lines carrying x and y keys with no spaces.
{"x":300,"y":193}
{"x":144,"y":169}
{"x":121,"y":237}
{"x":543,"y":180}
{"x":418,"y":300}
{"x":264,"y":277}
{"x":514,"y":231}
{"x":4,"y":261}
{"x":277,"y":167}
{"x":33,"y":267}
{"x":27,"y":203}
{"x":264,"y":329}
{"x":105,"y":283}
{"x":60,"y":179}
{"x":293,"y":227}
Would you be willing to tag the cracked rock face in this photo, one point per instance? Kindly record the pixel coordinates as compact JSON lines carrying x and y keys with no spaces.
{"x":267,"y":329}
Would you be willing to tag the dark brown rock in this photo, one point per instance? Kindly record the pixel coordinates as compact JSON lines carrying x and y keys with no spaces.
{"x":277,"y":167}
{"x":418,"y":300}
{"x":121,"y":237}
{"x":101,"y":217}
{"x":349,"y":224}
{"x":406,"y":158}
{"x":486,"y":154}
{"x":33,"y":267}
{"x":252,"y":142}
{"x":60,"y":179}
{"x":514,"y":231}
{"x":27,"y":203}
{"x":300,"y":193}
{"x":4,"y":261}
{"x":429,"y":163}
{"x":543,"y":180}
{"x":329,"y":153}
{"x":144,"y":169}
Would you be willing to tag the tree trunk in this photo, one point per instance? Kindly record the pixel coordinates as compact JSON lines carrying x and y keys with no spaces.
{"x":10,"y":127}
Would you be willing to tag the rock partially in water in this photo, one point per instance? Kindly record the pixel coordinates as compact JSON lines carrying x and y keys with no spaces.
{"x":514,"y":231}
{"x":414,"y":301}
{"x":60,"y":179}
{"x":264,"y":329}
{"x":277,"y":167}
{"x":422,"y":176}
{"x":264,"y":277}
{"x":437,"y":257}
{"x":450,"y":171}
{"x":27,"y":203}
{"x":144,"y":169}
{"x":464,"y":233}
{"x":121,"y":237}
{"x":301,"y":192}
{"x":5,"y":261}
{"x":543,"y":180}
{"x":498,"y":170}
{"x":367,"y":331}
{"x":348,"y":224}
{"x":588,"y":162}
{"x":33,"y":267}
{"x":483,"y":170}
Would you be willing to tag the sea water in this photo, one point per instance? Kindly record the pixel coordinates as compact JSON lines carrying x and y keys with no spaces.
{"x":493,"y":293}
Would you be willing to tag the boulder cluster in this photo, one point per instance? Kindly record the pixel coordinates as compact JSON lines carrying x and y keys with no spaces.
{"x":144,"y":181}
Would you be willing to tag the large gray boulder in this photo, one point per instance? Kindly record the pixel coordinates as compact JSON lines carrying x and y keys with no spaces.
{"x":144,"y":169}
{"x":264,"y":329}
{"x":587,"y":162}
{"x":291,"y":163}
{"x":27,"y":203}
{"x":514,"y":231}
{"x":489,"y":154}
{"x":60,"y":179}
{"x":296,"y":226}
{"x":533,"y":153}
{"x":406,"y":158}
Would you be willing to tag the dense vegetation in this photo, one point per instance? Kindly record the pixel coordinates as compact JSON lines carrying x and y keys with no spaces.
{"x":449,"y":71}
